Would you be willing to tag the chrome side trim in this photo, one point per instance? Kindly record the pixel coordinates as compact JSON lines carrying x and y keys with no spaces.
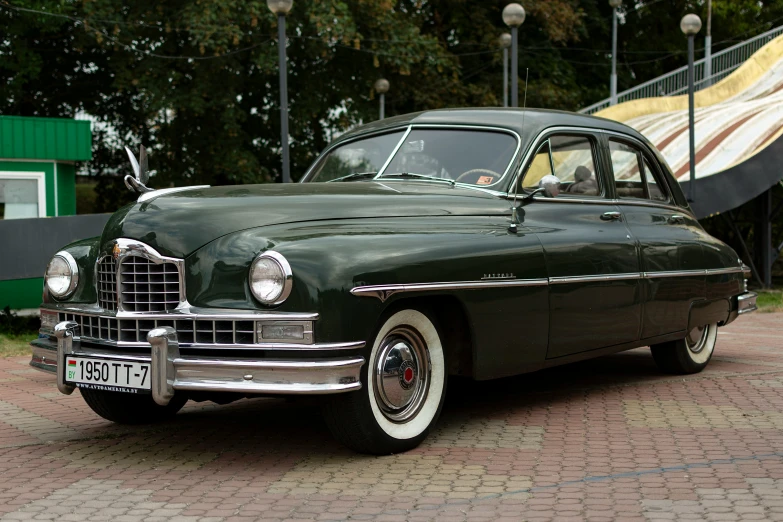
{"x":674,"y":273}
{"x":383,"y":292}
{"x":719,"y":271}
{"x":595,"y":278}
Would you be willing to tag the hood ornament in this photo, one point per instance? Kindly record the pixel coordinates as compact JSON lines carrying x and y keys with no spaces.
{"x":141,"y":171}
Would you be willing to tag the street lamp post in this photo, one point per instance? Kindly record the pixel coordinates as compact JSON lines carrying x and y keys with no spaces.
{"x":382,"y":87}
{"x":613,"y":78}
{"x":505,"y":43}
{"x":281,"y":9}
{"x":514,"y":16}
{"x":708,"y":47}
{"x":690,"y":26}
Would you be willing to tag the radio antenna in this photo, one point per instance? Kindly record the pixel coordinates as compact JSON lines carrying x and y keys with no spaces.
{"x":513,"y":226}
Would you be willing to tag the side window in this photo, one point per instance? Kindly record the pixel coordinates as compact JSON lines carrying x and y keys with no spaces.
{"x":570,"y":158}
{"x":540,"y":166}
{"x":634,"y":176}
{"x":655,"y":191}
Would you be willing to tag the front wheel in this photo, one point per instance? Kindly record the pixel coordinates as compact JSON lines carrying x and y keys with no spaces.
{"x":689,"y":355}
{"x":404,"y":386}
{"x":130,"y":408}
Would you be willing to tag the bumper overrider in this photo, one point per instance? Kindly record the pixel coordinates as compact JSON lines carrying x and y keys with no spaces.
{"x":314,"y":370}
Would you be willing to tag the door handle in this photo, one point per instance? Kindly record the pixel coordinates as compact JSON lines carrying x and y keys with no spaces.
{"x":676,"y":219}
{"x":611,"y":216}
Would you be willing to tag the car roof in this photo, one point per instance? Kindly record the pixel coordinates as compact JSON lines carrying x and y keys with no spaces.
{"x":525,"y":122}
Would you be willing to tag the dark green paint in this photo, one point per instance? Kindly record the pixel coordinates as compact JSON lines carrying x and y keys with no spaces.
{"x":338,"y":236}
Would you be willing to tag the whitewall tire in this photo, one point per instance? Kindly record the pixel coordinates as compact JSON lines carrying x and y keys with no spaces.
{"x":688,"y":355}
{"x":404,"y":385}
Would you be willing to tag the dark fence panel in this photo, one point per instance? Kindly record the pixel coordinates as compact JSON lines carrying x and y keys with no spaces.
{"x":27,"y":245}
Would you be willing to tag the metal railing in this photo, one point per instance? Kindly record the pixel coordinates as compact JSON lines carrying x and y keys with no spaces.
{"x":676,"y":82}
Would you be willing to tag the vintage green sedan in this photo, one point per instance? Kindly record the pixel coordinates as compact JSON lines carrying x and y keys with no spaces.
{"x":475,"y":242}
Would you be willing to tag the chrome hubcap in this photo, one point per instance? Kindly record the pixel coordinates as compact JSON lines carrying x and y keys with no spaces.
{"x":402,"y":374}
{"x":696,"y":339}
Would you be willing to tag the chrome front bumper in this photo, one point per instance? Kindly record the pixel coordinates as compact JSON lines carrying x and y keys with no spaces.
{"x":171,"y":371}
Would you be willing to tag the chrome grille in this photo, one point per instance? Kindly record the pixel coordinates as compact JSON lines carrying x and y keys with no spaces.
{"x":146,"y":286}
{"x":189,"y":331}
{"x":107,"y":283}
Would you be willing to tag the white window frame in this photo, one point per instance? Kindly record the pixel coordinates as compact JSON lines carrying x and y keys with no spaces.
{"x":40,"y":177}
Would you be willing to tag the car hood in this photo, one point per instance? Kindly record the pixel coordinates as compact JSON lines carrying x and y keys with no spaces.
{"x":177,"y":224}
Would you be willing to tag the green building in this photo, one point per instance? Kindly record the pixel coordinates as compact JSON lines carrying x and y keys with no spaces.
{"x":37,"y":180}
{"x":37,"y":173}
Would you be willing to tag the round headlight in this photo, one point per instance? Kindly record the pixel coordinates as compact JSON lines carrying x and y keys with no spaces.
{"x":62,"y":275}
{"x":270,"y":278}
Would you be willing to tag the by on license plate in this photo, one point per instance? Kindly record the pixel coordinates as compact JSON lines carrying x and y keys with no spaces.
{"x":109,"y":375}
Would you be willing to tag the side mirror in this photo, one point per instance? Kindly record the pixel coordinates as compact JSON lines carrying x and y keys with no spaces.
{"x":550,"y":185}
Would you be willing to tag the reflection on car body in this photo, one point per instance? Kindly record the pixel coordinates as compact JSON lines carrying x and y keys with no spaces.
{"x":409,"y":253}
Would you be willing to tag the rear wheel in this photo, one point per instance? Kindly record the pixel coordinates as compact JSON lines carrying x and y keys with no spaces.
{"x":689,"y":355}
{"x":404,"y":384}
{"x":129,"y":408}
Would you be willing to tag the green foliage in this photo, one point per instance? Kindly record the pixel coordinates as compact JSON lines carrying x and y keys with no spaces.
{"x":12,"y":324}
{"x":197,"y":81}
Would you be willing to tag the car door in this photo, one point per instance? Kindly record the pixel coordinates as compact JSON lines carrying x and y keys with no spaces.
{"x":668,"y":236}
{"x":592,"y":260}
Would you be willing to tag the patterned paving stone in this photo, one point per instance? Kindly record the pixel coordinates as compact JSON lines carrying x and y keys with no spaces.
{"x":607,"y":439}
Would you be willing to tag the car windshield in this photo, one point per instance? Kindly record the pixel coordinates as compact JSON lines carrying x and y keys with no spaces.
{"x":469,"y":156}
{"x":473,"y":157}
{"x":360,"y":159}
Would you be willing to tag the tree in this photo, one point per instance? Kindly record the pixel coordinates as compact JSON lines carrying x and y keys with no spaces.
{"x":196,"y":81}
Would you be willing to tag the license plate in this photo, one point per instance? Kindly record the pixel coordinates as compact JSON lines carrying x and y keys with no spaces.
{"x":108,"y":375}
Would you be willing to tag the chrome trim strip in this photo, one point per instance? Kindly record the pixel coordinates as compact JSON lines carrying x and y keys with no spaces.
{"x":393,"y":152}
{"x":673,"y":273}
{"x":269,"y":346}
{"x":186,"y":312}
{"x":146,"y":196}
{"x":383,"y":292}
{"x":719,"y":271}
{"x":594,"y":278}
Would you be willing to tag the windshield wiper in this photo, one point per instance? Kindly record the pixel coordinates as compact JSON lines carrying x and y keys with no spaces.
{"x":355,"y":175}
{"x":411,"y":175}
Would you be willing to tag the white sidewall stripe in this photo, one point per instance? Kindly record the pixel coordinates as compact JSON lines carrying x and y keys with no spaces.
{"x":419,"y":423}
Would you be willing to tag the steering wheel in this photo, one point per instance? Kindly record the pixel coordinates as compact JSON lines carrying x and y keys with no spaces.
{"x":486,"y":172}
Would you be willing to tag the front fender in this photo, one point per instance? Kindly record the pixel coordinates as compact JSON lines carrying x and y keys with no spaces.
{"x":329,"y":258}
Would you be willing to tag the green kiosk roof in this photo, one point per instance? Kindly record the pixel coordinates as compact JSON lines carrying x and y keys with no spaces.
{"x":58,"y":139}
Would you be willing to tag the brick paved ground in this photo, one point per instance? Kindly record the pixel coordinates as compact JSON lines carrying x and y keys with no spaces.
{"x":601,"y":440}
